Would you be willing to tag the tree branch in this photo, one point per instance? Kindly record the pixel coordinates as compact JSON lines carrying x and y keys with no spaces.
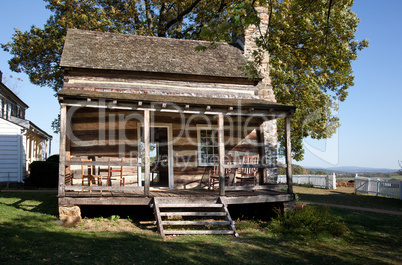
{"x":329,"y":13}
{"x":149,"y":15}
{"x":181,"y":15}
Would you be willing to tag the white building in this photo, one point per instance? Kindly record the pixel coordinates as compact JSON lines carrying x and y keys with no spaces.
{"x":21,"y":141}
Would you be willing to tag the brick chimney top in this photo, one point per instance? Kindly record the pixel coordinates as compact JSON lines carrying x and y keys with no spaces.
{"x":1,"y":77}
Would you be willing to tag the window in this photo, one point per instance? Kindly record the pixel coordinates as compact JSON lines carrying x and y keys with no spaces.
{"x":1,"y":108}
{"x":207,"y":145}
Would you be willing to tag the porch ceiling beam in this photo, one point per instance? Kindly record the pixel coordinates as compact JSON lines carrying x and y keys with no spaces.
{"x":185,"y":109}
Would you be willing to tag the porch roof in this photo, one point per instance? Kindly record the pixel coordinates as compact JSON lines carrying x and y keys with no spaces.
{"x":221,"y":103}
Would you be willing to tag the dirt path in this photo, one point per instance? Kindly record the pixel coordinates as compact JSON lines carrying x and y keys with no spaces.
{"x":356,"y":208}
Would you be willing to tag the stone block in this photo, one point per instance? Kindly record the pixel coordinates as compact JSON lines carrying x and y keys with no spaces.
{"x":70,"y":215}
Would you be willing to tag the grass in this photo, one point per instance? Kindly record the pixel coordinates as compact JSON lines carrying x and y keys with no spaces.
{"x":346,"y":196}
{"x":30,"y":233}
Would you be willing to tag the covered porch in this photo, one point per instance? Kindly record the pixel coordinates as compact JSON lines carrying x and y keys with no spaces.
{"x":167,"y":146}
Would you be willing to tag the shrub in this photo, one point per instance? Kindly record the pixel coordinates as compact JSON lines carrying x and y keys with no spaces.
{"x":53,"y":158}
{"x":308,"y":221}
{"x":43,"y":174}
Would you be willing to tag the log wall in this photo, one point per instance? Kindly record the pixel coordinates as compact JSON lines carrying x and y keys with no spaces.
{"x":106,"y":133}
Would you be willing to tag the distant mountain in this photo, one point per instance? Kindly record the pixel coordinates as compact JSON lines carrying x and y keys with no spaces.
{"x":352,"y":169}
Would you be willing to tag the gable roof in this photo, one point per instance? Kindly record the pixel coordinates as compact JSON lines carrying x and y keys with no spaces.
{"x":111,"y":51}
{"x":8,"y":93}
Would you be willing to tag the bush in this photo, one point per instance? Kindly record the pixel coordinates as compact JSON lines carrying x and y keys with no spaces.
{"x":308,"y":221}
{"x":53,"y":158}
{"x":43,"y":174}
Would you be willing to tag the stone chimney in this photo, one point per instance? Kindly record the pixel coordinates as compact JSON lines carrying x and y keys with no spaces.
{"x":250,"y":34}
{"x":265,"y":91}
{"x":1,"y":77}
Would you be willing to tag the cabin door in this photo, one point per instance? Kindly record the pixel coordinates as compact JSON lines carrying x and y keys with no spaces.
{"x":160,"y":157}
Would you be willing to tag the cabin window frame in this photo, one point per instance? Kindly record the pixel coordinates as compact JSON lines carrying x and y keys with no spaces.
{"x":203,"y":143}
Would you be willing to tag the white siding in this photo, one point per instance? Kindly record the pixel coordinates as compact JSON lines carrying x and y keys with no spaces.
{"x":11,"y":152}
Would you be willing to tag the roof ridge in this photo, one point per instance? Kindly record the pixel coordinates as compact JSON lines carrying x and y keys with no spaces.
{"x":146,"y":36}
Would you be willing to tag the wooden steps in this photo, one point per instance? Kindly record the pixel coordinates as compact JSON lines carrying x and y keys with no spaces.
{"x":189,"y":217}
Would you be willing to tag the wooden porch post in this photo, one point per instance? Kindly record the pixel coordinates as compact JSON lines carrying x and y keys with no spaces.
{"x":146,"y":153}
{"x":288,"y":154}
{"x":261,"y":152}
{"x":63,"y":137}
{"x":221,"y":151}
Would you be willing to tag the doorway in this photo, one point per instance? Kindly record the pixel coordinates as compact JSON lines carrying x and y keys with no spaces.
{"x":161,"y":175}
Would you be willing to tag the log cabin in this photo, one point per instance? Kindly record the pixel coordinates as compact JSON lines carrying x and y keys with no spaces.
{"x":173,"y":123}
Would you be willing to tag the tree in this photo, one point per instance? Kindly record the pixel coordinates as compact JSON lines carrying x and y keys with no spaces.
{"x":37,"y":52}
{"x":311,"y":45}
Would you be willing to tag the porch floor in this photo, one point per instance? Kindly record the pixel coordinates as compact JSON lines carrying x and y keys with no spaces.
{"x":202,"y":195}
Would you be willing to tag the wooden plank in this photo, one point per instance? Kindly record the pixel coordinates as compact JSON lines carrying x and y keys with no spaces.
{"x":103,"y":163}
{"x":257,"y":187}
{"x":259,"y":199}
{"x":158,"y":217}
{"x":195,"y":223}
{"x":199,"y":232}
{"x":104,"y":188}
{"x":70,"y":201}
{"x":190,"y":205}
{"x":221,"y":151}
{"x":229,"y":219}
{"x":288,"y":155}
{"x":201,"y":214}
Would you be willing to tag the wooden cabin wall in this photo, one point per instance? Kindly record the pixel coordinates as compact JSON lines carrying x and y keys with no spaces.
{"x":239,"y":141}
{"x":103,"y":134}
{"x":173,"y":85}
{"x":106,"y":133}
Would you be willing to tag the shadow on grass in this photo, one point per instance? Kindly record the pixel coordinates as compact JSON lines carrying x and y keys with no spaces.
{"x":40,"y":240}
{"x":32,"y":235}
{"x":45,"y":203}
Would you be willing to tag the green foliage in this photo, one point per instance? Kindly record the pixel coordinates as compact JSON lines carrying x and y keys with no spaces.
{"x":311,"y":46}
{"x":37,"y":52}
{"x":308,"y":221}
{"x":43,"y":174}
{"x":296,"y":170}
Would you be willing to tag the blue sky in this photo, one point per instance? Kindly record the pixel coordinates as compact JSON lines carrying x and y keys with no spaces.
{"x":370,"y":135}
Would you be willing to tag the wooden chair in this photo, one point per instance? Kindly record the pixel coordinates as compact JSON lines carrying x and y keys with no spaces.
{"x":120,"y":170}
{"x":248,"y":174}
{"x":89,"y":176}
{"x":214,"y":173}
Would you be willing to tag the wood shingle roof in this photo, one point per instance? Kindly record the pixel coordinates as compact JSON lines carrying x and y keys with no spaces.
{"x":110,"y":51}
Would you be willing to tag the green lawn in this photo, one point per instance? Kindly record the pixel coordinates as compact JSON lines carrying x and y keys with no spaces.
{"x":346,"y":196}
{"x":31,"y":234}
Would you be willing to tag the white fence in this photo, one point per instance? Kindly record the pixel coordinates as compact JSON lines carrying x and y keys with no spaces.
{"x":323,"y":181}
{"x":391,"y":188}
